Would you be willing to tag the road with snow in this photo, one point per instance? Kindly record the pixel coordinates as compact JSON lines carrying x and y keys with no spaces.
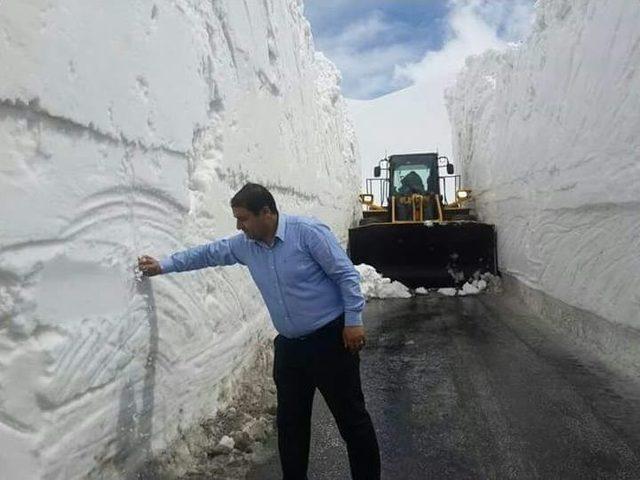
{"x":476,"y":388}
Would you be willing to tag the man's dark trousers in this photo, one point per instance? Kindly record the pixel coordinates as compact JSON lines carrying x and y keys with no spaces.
{"x":320,"y":361}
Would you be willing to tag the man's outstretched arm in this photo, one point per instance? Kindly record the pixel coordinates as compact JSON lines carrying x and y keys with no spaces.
{"x":220,"y":252}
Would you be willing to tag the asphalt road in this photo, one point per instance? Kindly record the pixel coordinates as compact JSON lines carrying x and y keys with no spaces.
{"x":475,"y":388}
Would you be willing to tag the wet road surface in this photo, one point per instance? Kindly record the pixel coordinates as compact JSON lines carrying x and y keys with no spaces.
{"x":475,"y":388}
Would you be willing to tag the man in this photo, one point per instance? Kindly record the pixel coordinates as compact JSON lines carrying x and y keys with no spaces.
{"x":312,"y":292}
{"x":411,"y":183}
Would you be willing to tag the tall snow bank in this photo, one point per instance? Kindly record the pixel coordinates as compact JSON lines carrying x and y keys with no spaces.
{"x":125,"y":127}
{"x":548,"y":135}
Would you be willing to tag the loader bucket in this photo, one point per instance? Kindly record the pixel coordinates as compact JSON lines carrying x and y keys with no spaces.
{"x":426,"y":254}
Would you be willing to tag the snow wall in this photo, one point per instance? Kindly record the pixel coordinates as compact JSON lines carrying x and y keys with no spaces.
{"x":548,"y":135}
{"x":125,"y":128}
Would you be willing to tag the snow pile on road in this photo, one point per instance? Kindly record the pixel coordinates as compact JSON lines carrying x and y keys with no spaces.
{"x":375,"y":285}
{"x":480,"y":283}
{"x":548,"y":137}
{"x":122,"y":133}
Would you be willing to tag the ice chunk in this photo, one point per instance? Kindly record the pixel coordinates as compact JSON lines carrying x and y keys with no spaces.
{"x":449,"y":292}
{"x":470,"y":289}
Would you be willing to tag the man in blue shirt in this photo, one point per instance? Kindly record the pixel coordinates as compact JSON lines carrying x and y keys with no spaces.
{"x":312,"y":292}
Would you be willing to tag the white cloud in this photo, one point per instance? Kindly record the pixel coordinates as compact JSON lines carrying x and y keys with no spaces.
{"x":510,"y":18}
{"x":475,"y":26}
{"x":360,"y":33}
{"x":371,"y":71}
{"x":378,"y":53}
{"x":366,"y":62}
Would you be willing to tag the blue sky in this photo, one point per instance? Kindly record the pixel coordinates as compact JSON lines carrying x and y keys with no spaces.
{"x":371,"y":40}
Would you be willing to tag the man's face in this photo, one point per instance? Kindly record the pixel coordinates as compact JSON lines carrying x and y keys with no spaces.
{"x":254,"y":226}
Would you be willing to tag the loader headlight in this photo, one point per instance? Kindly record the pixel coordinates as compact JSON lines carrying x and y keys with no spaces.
{"x":366,"y":198}
{"x":463,"y":194}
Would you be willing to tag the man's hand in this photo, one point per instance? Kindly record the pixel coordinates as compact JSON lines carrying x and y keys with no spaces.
{"x":353,"y":338}
{"x":149,"y":266}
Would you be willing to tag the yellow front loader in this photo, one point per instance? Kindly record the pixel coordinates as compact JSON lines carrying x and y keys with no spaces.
{"x":416,"y":234}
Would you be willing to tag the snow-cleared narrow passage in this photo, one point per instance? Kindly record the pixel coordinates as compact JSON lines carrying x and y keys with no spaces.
{"x":127,"y":132}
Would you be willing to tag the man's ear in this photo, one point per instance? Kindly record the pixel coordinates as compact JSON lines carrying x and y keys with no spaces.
{"x":265,"y":210}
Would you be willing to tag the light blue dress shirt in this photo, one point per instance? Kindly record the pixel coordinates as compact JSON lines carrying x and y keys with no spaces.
{"x":306,"y":278}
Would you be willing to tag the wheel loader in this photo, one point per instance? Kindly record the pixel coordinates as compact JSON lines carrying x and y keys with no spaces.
{"x":422,"y":230}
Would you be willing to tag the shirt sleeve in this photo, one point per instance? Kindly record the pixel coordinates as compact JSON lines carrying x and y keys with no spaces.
{"x":217,"y":253}
{"x":325,"y":249}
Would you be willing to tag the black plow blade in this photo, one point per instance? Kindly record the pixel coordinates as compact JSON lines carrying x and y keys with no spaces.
{"x":430,"y":254}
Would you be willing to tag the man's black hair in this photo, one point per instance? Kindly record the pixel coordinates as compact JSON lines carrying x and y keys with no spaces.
{"x":254,"y":198}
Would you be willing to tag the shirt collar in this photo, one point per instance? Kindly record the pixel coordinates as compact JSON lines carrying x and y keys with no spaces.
{"x":282,"y":226}
{"x":280,"y":230}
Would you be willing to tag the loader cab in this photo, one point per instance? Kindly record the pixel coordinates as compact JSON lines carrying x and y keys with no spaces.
{"x":420,"y":173}
{"x":412,"y":187}
{"x":412,"y":184}
{"x":413,"y":174}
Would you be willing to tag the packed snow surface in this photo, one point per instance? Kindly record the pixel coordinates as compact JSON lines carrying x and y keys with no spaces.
{"x":125,"y":128}
{"x":548,"y":134}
